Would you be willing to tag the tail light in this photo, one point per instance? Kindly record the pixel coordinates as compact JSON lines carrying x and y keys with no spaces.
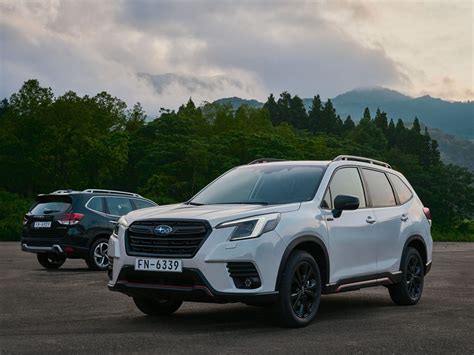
{"x":427,"y":213}
{"x":70,"y":219}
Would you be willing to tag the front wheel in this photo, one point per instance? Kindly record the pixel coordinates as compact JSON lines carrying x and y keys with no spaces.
{"x":408,"y":291}
{"x":300,"y":290}
{"x":157,"y":307}
{"x":51,"y":260}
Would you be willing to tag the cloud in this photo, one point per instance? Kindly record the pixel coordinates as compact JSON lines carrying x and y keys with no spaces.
{"x":247,"y":49}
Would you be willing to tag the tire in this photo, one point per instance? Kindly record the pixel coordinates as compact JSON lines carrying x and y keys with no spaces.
{"x":408,"y":291}
{"x":98,"y":258}
{"x":300,"y":290}
{"x":157,"y":307}
{"x":51,"y":260}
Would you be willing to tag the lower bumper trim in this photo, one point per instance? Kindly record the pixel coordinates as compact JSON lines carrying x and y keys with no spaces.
{"x":199,"y":291}
{"x":55,"y":248}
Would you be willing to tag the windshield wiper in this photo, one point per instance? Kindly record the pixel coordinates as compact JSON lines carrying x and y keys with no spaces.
{"x":244,"y":203}
{"x":195,"y":203}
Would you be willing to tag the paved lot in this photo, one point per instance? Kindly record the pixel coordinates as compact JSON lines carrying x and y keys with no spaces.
{"x":71,"y":310}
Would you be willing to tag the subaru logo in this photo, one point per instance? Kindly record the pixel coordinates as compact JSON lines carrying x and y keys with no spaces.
{"x":163,"y":229}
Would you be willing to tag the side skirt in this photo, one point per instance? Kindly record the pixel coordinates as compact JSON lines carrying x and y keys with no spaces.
{"x":356,"y":283}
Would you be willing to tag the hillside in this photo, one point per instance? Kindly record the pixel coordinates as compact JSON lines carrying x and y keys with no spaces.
{"x":456,"y":118}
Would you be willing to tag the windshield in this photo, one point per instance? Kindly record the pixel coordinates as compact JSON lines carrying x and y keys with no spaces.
{"x":263,"y":184}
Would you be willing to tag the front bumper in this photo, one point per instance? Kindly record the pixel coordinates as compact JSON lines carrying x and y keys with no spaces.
{"x":207,"y":275}
{"x":190,"y":285}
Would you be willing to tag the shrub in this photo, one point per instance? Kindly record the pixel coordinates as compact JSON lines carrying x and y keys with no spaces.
{"x":12,"y":210}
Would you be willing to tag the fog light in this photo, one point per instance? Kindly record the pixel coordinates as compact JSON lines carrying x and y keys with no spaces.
{"x":244,"y":275}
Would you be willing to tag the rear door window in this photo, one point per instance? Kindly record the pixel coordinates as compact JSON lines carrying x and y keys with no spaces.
{"x":96,"y":204}
{"x":381,"y":192}
{"x":346,"y":181}
{"x":403,"y":191}
{"x":118,"y":206}
{"x":50,"y":207}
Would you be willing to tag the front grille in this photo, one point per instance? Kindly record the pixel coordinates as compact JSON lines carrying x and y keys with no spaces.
{"x":184,"y":241}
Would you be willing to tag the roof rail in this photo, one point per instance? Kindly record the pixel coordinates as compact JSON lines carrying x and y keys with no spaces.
{"x":362,"y":159}
{"x":264,"y":160}
{"x":62,"y":191}
{"x":103,"y":191}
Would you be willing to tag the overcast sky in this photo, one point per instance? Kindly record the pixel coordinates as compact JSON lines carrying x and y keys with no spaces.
{"x":241,"y":48}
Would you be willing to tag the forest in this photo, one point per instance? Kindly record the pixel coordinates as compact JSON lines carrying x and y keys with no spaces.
{"x":50,"y":142}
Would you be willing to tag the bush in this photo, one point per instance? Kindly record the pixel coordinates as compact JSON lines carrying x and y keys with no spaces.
{"x":12,"y":210}
{"x":464,"y":232}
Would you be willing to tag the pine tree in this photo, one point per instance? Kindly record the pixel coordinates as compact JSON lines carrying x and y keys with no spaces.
{"x":315,"y":114}
{"x":381,"y":121}
{"x":348,"y":124}
{"x":272,"y":108}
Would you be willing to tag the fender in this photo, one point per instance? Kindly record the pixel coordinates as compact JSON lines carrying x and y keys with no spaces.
{"x":292,"y":246}
{"x":416,"y":237}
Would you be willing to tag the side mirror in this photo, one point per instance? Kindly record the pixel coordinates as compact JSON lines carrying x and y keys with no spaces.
{"x":344,"y":203}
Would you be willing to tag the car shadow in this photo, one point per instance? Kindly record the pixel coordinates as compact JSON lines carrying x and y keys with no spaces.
{"x":231,"y":317}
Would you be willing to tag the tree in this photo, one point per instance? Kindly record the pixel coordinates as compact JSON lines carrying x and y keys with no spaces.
{"x":381,"y":121}
{"x":315,"y":114}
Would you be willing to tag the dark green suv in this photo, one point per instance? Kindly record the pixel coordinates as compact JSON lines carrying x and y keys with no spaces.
{"x":76,"y":225}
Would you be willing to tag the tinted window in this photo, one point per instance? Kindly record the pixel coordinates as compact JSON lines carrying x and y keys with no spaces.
{"x":142,"y":204}
{"x":96,"y":204}
{"x":119,"y":206}
{"x":403,"y":192}
{"x":262,"y":183}
{"x":50,"y":207}
{"x":381,"y":192}
{"x":347,"y":181}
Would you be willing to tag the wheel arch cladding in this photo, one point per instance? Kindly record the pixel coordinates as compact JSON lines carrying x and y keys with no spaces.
{"x":313,"y":245}
{"x":417,"y":242}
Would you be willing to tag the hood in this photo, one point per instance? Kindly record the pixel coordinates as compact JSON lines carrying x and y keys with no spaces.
{"x":214,"y":214}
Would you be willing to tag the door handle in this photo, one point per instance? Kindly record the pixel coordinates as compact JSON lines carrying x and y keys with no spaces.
{"x":404,"y":218}
{"x":370,"y":220}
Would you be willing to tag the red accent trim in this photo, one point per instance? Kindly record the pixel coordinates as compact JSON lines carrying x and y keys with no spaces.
{"x":170,"y":287}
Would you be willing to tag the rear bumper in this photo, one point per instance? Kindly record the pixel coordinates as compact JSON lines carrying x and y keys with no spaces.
{"x":428,"y":266}
{"x":190,"y":286}
{"x":55,"y":248}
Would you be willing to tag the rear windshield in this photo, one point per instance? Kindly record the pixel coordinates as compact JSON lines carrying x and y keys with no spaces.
{"x":50,"y":205}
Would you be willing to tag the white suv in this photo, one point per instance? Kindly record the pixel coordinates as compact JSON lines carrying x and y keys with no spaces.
{"x":277,"y":232}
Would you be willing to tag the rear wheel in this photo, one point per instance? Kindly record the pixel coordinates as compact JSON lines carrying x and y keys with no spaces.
{"x":409,"y":290}
{"x":98,"y":258}
{"x":300,"y":290}
{"x":156,"y":307}
{"x":50,"y":260}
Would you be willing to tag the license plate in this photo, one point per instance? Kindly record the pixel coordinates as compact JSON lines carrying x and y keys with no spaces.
{"x":42,"y":225}
{"x":163,"y":265}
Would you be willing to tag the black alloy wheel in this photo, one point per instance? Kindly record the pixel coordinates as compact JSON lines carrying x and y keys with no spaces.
{"x":300,"y":290}
{"x":409,"y":290}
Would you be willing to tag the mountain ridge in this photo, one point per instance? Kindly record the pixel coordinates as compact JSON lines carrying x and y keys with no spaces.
{"x":452,"y":117}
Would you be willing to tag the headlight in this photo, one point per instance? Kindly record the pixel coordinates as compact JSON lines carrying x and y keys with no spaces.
{"x":251,"y":227}
{"x":121,"y":222}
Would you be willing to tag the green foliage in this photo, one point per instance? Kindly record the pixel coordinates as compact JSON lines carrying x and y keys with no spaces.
{"x":12,"y":210}
{"x":48,"y":143}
